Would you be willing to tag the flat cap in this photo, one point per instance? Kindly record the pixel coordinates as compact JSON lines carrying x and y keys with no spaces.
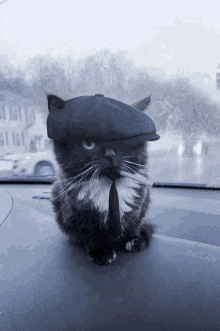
{"x":99,"y":119}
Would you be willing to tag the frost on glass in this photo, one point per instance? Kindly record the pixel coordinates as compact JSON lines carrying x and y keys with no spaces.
{"x":182,"y":155}
{"x":186,"y":118}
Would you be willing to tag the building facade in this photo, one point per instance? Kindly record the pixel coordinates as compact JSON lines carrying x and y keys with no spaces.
{"x":21,"y":127}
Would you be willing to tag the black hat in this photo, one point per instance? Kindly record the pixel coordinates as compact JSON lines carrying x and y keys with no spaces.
{"x":99,"y":119}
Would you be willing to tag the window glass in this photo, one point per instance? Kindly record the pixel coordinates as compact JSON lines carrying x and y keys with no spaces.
{"x":13,"y":138}
{"x":171,"y":55}
{"x":2,"y":142}
{"x":18,"y":141}
{"x":2,"y":113}
{"x":6,"y":138}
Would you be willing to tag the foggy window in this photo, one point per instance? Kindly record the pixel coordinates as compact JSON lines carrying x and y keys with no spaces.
{"x":2,"y":113}
{"x":2,"y":142}
{"x":18,"y":141}
{"x":6,"y":138}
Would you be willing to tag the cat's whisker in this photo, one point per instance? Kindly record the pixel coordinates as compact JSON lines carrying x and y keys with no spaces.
{"x":77,"y":176}
{"x":136,"y":177}
{"x":127,"y":168}
{"x":139,"y":165}
{"x":85,"y":174}
{"x":92,"y":181}
{"x":150,"y":175}
{"x":144,"y":171}
{"x":71,"y":180}
{"x":131,"y":168}
{"x":97,"y":179}
{"x":89,"y":163}
{"x":132,"y":156}
{"x":65,"y":166}
{"x":133,"y":176}
{"x":128,"y":156}
{"x":123,"y":168}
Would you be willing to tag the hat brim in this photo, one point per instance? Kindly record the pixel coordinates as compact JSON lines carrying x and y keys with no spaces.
{"x":130,"y":141}
{"x":142,"y":138}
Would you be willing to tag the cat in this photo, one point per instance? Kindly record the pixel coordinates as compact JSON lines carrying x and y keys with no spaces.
{"x":80,"y":195}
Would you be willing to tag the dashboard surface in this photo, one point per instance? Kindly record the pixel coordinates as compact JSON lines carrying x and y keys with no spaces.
{"x":46,"y":284}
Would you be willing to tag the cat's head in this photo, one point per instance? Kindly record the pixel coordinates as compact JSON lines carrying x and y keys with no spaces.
{"x":83,"y":159}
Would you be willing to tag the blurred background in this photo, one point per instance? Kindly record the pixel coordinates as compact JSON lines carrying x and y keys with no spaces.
{"x":125,"y":50}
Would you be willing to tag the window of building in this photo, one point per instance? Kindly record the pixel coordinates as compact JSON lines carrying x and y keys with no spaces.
{"x":26,"y":115}
{"x":22,"y":138}
{"x":6,"y":111}
{"x":30,"y":115}
{"x":2,"y":113}
{"x":19,"y":112}
{"x":13,"y":138}
{"x":48,"y":143}
{"x":18,"y":140}
{"x":33,"y":116}
{"x":14,"y":113}
{"x":6,"y":138}
{"x":10,"y":112}
{"x":2,"y":97}
{"x":2,"y":141}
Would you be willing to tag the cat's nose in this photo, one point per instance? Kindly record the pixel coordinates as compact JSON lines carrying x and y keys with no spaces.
{"x":109,"y":152}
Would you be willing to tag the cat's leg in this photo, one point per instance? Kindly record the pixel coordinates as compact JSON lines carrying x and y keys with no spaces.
{"x":142,"y":239}
{"x":103,"y":255}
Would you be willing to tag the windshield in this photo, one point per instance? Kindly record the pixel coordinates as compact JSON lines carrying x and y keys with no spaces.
{"x":172,"y":56}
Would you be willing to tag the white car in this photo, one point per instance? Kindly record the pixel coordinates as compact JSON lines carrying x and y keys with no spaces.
{"x":12,"y":157}
{"x":40,"y":163}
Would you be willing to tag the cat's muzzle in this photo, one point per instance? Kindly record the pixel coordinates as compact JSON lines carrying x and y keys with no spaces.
{"x":113,"y":173}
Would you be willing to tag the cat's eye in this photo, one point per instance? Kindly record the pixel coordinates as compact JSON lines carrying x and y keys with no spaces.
{"x":88,"y":144}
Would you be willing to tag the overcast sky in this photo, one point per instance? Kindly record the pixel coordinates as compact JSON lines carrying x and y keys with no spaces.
{"x":178,"y":37}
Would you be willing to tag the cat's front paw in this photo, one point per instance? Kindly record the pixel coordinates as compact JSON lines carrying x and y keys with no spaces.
{"x":103,"y":256}
{"x":142,"y":240}
{"x":136,"y":245}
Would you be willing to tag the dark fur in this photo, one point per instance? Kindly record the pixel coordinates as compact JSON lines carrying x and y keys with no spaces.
{"x":86,"y":224}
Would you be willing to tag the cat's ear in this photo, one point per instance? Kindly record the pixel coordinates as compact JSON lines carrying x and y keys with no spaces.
{"x":54,"y":103}
{"x":143,"y":104}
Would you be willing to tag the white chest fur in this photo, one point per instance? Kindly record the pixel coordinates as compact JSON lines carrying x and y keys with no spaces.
{"x":98,"y":193}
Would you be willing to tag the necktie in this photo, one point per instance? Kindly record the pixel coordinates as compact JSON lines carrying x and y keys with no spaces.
{"x":114,"y":213}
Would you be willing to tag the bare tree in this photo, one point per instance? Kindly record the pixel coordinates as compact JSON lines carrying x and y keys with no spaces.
{"x":49,"y":77}
{"x":90,"y":77}
{"x":175,"y":105}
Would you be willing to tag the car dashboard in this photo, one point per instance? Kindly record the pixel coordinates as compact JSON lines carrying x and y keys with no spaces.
{"x":46,"y":284}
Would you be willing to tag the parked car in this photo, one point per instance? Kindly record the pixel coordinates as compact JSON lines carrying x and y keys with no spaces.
{"x":12,"y":157}
{"x":6,"y":163}
{"x":40,"y":163}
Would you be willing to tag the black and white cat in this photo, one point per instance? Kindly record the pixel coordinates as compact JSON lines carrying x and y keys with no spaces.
{"x":80,"y":195}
